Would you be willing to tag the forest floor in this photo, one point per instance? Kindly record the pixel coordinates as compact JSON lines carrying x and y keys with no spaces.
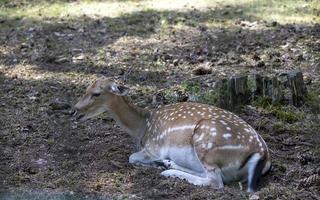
{"x":52,"y":50}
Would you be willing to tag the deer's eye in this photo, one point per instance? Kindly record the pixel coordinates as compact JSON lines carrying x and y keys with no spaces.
{"x":96,"y":94}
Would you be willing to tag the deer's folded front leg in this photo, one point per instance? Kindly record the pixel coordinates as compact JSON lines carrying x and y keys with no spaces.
{"x":144,"y":159}
{"x":169,"y":164}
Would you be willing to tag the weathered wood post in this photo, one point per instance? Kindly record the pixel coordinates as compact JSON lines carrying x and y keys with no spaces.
{"x":238,"y":91}
{"x":222,"y":88}
{"x":298,"y":89}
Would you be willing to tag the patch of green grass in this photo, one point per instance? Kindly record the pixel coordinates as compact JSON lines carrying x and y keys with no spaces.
{"x":191,"y":87}
{"x":263,"y":102}
{"x":278,"y":127}
{"x":210,"y":97}
{"x":313,"y":100}
{"x":284,"y":113}
{"x":50,"y":141}
{"x":170,"y":96}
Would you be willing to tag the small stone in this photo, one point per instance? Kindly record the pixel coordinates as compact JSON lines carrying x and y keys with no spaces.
{"x":59,"y":105}
{"x":41,"y":161}
{"x":175,"y":62}
{"x":79,"y":57}
{"x":274,"y":23}
{"x":32,"y":170}
{"x":225,"y":12}
{"x":60,"y":60}
{"x":202,"y":70}
{"x":239,"y":11}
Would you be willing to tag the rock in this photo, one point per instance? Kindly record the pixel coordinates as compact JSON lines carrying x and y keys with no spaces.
{"x":254,"y":197}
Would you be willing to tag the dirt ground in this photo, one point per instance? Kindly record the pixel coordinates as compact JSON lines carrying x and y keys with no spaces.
{"x":46,"y":65}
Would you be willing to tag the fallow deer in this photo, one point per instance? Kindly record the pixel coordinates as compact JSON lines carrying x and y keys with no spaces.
{"x":201,"y":143}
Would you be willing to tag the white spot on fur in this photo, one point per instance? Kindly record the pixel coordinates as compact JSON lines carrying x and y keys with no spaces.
{"x":231,"y":147}
{"x":227,"y":135}
{"x":200,"y":138}
{"x":223,"y":122}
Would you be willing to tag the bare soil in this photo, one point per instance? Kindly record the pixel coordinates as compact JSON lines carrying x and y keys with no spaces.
{"x":46,"y":66}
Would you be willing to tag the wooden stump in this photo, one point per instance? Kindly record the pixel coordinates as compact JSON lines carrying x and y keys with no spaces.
{"x":268,"y":87}
{"x":258,"y":90}
{"x":235,"y":91}
{"x":277,"y":90}
{"x":298,"y":89}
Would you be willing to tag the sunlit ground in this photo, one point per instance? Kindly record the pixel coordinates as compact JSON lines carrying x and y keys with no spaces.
{"x":284,"y":11}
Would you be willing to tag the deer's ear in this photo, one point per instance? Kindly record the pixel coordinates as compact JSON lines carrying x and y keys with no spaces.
{"x":119,"y":89}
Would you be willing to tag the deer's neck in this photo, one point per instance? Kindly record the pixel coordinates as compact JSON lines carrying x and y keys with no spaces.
{"x":130,"y":117}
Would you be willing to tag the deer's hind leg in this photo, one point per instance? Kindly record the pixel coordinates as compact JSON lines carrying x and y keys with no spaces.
{"x":204,"y":141}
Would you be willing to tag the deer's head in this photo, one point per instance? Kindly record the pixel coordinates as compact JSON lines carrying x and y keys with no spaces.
{"x":99,"y":97}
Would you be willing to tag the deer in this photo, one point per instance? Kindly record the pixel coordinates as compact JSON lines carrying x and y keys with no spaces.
{"x":202,"y":144}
